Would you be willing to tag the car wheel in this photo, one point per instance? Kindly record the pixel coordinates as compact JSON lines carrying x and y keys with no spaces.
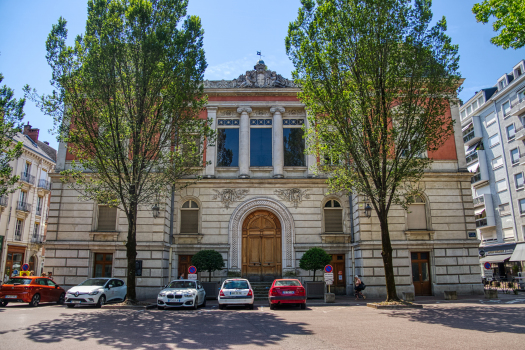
{"x":204,"y":303}
{"x":101,"y":301}
{"x":303,"y":306}
{"x":160,"y":307}
{"x":272,"y":306}
{"x":70,"y":305}
{"x":35,"y":301}
{"x":251,"y":306}
{"x":196,"y":303}
{"x":4,"y":303}
{"x":61,"y":299}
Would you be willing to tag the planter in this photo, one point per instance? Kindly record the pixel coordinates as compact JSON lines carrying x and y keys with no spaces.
{"x":211,"y":288}
{"x":491,"y":294}
{"x":314,"y":290}
{"x":329,"y":298}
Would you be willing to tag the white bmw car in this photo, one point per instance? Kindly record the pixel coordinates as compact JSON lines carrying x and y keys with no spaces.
{"x":182,"y":293}
{"x":97,"y":291}
{"x":236,"y":291}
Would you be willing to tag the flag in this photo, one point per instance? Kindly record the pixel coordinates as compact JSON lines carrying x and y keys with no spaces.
{"x":259,"y":53}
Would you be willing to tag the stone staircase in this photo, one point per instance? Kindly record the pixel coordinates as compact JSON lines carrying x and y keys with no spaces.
{"x":260,"y":290}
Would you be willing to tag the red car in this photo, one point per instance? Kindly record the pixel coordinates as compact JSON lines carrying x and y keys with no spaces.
{"x":287,"y":291}
{"x":32,"y":290}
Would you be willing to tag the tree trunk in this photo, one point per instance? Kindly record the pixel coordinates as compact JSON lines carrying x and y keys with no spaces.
{"x":209,"y":275}
{"x":131,"y":251}
{"x":386,"y":253}
{"x":314,"y":275}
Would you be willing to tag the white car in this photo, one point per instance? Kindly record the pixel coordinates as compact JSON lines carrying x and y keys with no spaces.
{"x":236,"y":291}
{"x":182,"y":293}
{"x":97,"y":291}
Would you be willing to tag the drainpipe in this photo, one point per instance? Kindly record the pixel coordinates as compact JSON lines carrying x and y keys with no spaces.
{"x":172,"y":211}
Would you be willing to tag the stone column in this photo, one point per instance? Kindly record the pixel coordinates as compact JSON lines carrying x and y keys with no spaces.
{"x":278,"y":145}
{"x":211,"y":151}
{"x":244,"y":142}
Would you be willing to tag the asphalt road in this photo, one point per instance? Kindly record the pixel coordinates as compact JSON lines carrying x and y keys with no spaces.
{"x":436,"y":326}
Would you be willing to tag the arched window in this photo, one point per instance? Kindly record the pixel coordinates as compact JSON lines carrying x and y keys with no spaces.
{"x":417,"y":214}
{"x":189,"y":221}
{"x":333,"y":216}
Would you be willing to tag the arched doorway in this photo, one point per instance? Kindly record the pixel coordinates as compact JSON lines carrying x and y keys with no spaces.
{"x":261,"y":246}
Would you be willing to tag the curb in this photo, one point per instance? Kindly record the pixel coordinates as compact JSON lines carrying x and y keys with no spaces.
{"x":394,"y":307}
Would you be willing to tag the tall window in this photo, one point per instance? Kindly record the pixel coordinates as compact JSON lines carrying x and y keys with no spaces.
{"x":23,"y":196}
{"x":417,"y":214}
{"x":260,"y":147}
{"x":497,"y":162}
{"x":493,"y":140}
{"x":333,"y":217}
{"x":501,"y":185}
{"x":294,"y":147}
{"x":515,"y":155}
{"x":189,"y":217}
{"x":228,"y":147}
{"x":39,"y":205}
{"x":19,"y":226}
{"x":103,"y":265}
{"x":107,"y":218}
{"x":518,"y":180}
{"x":522,"y":206}
{"x":511,"y":132}
{"x":36,"y":232}
{"x":506,"y":108}
{"x":27,"y":169}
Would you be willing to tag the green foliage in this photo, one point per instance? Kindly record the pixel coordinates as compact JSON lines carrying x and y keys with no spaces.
{"x":378,"y":81}
{"x":208,"y":260}
{"x":233,"y":274}
{"x":509,"y":21}
{"x":314,"y":259}
{"x":11,"y":115}
{"x":127,"y":100}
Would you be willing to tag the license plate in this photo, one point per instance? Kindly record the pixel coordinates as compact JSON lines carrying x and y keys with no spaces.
{"x":288,"y":292}
{"x":235,"y":293}
{"x":177,"y":300}
{"x":10,"y":296}
{"x":76,"y":301}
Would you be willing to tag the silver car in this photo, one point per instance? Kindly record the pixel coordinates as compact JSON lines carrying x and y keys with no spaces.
{"x":182,"y":293}
{"x":237,"y":291}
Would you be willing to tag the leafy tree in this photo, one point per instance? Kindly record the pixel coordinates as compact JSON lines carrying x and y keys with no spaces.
{"x":314,"y":259}
{"x":378,"y":81}
{"x":208,"y":260}
{"x":11,"y":115}
{"x":127,"y":100}
{"x":509,"y":23}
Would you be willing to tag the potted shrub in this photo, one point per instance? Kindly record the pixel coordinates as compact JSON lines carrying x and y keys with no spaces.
{"x":208,"y":260}
{"x":312,"y":260}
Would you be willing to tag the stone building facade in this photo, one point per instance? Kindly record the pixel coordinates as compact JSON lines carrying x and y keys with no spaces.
{"x":23,"y":213}
{"x":261,"y":207}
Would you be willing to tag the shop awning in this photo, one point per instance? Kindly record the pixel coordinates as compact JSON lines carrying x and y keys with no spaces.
{"x":472,"y":148}
{"x":519,"y":253}
{"x":473,"y":168}
{"x":479,"y":211}
{"x":466,"y":126}
{"x":495,"y":258}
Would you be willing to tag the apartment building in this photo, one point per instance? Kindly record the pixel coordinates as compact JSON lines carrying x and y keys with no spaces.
{"x":494,"y":137}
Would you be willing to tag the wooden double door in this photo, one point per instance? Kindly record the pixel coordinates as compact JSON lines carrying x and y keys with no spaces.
{"x":421,"y":273}
{"x":261,"y":247}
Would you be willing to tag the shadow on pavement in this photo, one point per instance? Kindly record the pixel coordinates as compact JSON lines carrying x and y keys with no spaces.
{"x":130,"y":329}
{"x":492,"y":319}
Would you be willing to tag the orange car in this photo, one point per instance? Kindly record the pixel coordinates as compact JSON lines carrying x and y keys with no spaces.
{"x":32,"y":290}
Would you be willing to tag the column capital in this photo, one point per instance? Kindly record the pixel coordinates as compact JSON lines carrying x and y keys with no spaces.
{"x":246,"y":109}
{"x":277,"y":109}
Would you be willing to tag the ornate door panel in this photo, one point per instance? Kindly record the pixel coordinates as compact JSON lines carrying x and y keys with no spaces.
{"x":421,"y":273}
{"x":261,"y":244}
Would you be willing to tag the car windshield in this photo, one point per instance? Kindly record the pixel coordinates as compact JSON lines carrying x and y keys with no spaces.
{"x":94,"y":282}
{"x":182,"y":284}
{"x":19,"y":281}
{"x":235,"y":285}
{"x":288,"y":283}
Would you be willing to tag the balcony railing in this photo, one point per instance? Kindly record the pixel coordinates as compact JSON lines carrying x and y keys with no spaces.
{"x":475,"y":178}
{"x":37,"y":239}
{"x":26,"y":177}
{"x":479,"y":201}
{"x":23,"y":206}
{"x":472,"y":157}
{"x":468,"y":136}
{"x":46,"y":185}
{"x":18,"y":236}
{"x":3,"y":201}
{"x":481,"y":222}
{"x":39,"y":211}
{"x":519,"y":133}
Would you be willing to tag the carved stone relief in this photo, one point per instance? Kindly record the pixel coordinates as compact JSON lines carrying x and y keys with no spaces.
{"x":294,"y":195}
{"x":228,"y":196}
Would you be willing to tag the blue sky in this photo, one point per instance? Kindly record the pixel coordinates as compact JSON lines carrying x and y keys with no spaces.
{"x":234,"y":31}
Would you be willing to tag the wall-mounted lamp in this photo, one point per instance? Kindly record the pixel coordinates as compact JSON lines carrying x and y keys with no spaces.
{"x":156,"y":210}
{"x":368,"y":210}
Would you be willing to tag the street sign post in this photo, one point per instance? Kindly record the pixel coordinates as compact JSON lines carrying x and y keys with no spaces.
{"x":328,"y":268}
{"x":192,"y":276}
{"x":487,"y":265}
{"x":488,"y":272}
{"x":192,"y":270}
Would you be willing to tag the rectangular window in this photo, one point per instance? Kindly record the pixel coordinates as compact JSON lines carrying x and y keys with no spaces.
{"x":107,"y":218}
{"x":506,"y":108}
{"x":463,"y":115}
{"x":228,"y":147}
{"x":474,"y":105}
{"x":103,"y":265}
{"x":518,"y":180}
{"x":504,"y":209}
{"x":27,"y":169}
{"x":491,"y":119}
{"x":515,"y":156}
{"x":469,"y":110}
{"x":39,"y":203}
{"x":511,"y":132}
{"x":508,"y":234}
{"x":293,"y":147}
{"x":23,"y":196}
{"x":521,"y":95}
{"x":18,"y":229}
{"x":497,"y":162}
{"x":36,"y":232}
{"x":522,"y":206}
{"x":260,"y":147}
{"x":480,"y":101}
{"x":494,"y":140}
{"x":501,"y":185}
